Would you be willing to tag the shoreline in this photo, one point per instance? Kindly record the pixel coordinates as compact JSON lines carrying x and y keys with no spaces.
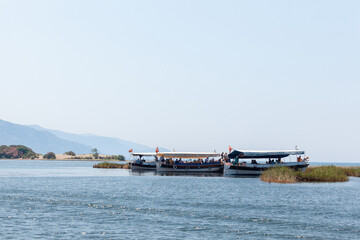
{"x":66,"y":157}
{"x":314,"y":165}
{"x":67,"y":160}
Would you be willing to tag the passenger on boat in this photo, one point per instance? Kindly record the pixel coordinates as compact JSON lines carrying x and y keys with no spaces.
{"x":253,"y":161}
{"x":226,"y":158}
{"x":299,"y":159}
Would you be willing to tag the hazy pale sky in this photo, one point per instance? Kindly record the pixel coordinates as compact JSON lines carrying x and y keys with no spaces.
{"x":188,"y":75}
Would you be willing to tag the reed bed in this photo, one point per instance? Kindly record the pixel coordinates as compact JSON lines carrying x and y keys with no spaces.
{"x":318,"y":174}
{"x":323,"y":174}
{"x":352,"y":171}
{"x":111,"y":165}
{"x":279,"y":175}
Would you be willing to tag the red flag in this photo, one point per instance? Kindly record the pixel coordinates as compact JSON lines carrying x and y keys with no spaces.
{"x":157,"y":150}
{"x":230,"y":148}
{"x":130,"y":150}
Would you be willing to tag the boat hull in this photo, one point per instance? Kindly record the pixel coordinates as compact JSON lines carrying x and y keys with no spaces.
{"x":257,"y":169}
{"x":190,"y":168}
{"x":143,"y":167}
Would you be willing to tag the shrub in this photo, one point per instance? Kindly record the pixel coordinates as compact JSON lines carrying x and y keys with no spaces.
{"x":120,"y":157}
{"x":49,"y":155}
{"x":70,"y":153}
{"x":26,"y":152}
{"x":115,"y":157}
{"x":16,"y":151}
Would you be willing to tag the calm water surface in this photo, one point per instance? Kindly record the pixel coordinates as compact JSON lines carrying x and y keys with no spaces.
{"x":71,"y":200}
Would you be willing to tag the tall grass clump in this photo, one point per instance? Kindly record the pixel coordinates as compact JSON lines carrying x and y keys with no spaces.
{"x":279,"y":175}
{"x":323,"y":174}
{"x":316,"y":174}
{"x":352,"y":171}
{"x":111,"y":165}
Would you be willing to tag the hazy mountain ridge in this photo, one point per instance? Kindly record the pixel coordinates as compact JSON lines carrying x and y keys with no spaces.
{"x":43,"y":140}
{"x":38,"y":141}
{"x":105,"y":145}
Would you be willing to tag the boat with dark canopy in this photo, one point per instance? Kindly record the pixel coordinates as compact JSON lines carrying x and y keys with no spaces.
{"x":238,"y":166}
{"x":189,"y":162}
{"x":141,"y":164}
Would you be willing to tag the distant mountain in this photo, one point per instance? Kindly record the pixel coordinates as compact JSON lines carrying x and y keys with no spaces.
{"x":38,"y":141}
{"x":43,"y":140}
{"x":105,"y":145}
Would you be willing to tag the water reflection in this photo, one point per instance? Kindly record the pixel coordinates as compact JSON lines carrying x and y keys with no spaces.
{"x":190,"y":174}
{"x":242,"y":176}
{"x":154,"y":173}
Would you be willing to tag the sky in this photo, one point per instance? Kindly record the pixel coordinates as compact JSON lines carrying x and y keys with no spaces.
{"x":188,"y":75}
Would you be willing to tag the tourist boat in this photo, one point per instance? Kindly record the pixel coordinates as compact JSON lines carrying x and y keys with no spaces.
{"x":237,"y":166}
{"x":141,"y":164}
{"x":189,"y":162}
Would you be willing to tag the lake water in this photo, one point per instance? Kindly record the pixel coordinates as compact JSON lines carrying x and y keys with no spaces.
{"x":71,"y":200}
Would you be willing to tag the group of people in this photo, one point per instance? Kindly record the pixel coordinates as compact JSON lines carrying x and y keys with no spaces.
{"x":169,"y":161}
{"x":272,"y":161}
{"x":299,"y":159}
{"x":224,"y":157}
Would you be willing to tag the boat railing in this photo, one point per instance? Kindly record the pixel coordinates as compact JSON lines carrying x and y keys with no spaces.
{"x":192,"y":163}
{"x":185,"y":163}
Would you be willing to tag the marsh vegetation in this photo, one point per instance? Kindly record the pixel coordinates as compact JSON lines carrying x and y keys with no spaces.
{"x":316,"y":174}
{"x":112,"y":165}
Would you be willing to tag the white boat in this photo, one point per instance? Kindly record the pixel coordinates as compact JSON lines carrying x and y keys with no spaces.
{"x":188,"y":162}
{"x":141,"y":163}
{"x":237,"y":166}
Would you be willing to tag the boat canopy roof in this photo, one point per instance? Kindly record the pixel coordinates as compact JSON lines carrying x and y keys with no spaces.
{"x":143,"y":154}
{"x":187,"y":154}
{"x":263,"y":154}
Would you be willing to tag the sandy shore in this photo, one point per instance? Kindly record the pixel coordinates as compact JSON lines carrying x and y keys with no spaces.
{"x":78,"y":157}
{"x":70,"y":160}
